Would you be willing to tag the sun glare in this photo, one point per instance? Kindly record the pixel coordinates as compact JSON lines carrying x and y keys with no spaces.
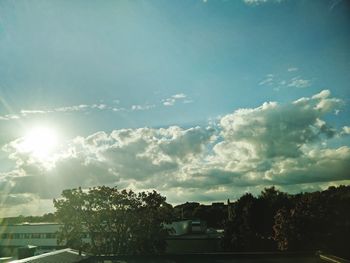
{"x":39,"y":142}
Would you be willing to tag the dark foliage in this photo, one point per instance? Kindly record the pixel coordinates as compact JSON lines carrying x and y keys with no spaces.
{"x":278,"y":221}
{"x":117,"y":222}
{"x":250,"y":226}
{"x":317,"y":221}
{"x":214,"y":215}
{"x":49,"y":217}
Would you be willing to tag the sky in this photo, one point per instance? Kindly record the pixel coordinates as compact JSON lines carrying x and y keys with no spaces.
{"x":201,"y":100}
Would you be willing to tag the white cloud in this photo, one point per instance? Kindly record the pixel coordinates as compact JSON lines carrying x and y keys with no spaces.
{"x":99,"y":106}
{"x":174,"y":98}
{"x":345,"y":130}
{"x":280,"y":130}
{"x":27,"y":112}
{"x":77,"y":108}
{"x":298,"y":82}
{"x":292,"y":69}
{"x":317,"y":165}
{"x":279,"y":82}
{"x":280,"y":144}
{"x":123,"y":155}
{"x":8,"y":117}
{"x":179,"y":96}
{"x":259,"y":2}
{"x":142,"y":107}
{"x":73,"y":108}
{"x":267,"y":81}
{"x":171,"y":101}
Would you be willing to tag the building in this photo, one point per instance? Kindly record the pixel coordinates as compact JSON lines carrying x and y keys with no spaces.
{"x":41,"y":235}
{"x":189,"y":236}
{"x":192,"y":236}
{"x":63,"y":255}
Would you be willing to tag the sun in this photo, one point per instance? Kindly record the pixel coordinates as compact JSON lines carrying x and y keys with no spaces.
{"x":39,"y":142}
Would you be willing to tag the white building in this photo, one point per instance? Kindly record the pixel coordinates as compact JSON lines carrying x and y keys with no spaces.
{"x":41,"y":235}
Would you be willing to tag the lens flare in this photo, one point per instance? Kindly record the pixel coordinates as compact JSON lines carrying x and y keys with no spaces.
{"x":39,"y":142}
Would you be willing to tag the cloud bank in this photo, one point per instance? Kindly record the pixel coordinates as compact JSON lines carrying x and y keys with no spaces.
{"x":274,"y":144}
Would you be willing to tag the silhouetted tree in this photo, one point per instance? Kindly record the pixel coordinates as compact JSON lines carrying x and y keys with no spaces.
{"x":214,"y":215}
{"x":186,"y":210}
{"x":269,"y":202}
{"x":240,"y":231}
{"x":116,"y":221}
{"x":250,"y":225}
{"x":317,"y":221}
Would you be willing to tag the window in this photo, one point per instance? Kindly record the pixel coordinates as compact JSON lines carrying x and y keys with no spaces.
{"x":50,"y":235}
{"x":36,"y":235}
{"x":17,"y":236}
{"x":5,"y":236}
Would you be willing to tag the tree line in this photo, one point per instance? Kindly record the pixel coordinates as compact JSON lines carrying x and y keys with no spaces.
{"x":125,"y":222}
{"x":278,"y":221}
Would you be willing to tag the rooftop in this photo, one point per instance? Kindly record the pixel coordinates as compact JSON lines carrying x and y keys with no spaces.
{"x":67,"y":255}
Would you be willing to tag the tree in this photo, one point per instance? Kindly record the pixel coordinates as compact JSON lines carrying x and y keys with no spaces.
{"x":185,"y":211}
{"x":70,"y":212}
{"x":284,"y":230}
{"x":240,"y":234}
{"x":117,"y":222}
{"x":251,"y":220}
{"x":269,"y":202}
{"x":215,"y":215}
{"x":317,"y":221}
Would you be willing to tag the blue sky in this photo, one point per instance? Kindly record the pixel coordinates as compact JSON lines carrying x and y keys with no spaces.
{"x":88,"y":69}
